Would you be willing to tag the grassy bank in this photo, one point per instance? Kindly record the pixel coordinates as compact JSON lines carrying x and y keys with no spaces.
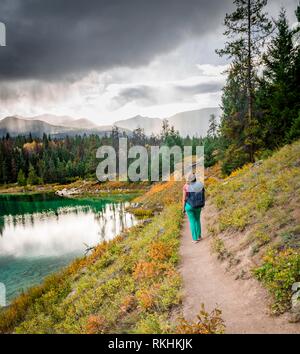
{"x":256,"y":222}
{"x":127,"y":285}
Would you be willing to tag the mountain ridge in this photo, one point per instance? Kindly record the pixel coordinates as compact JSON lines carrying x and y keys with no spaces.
{"x":195,"y":122}
{"x":191,"y":123}
{"x":15,"y":126}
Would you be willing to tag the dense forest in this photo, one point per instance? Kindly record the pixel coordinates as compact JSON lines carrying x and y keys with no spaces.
{"x":260,"y":105}
{"x":36,"y":161}
{"x":261,"y":98}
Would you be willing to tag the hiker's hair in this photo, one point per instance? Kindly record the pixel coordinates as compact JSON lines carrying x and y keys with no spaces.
{"x":191,"y":178}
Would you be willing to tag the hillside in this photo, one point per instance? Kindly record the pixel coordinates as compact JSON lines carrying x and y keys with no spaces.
{"x":133,"y":284}
{"x":254,"y":223}
{"x":187,"y":123}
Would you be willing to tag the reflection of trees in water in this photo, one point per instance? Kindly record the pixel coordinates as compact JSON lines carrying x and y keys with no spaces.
{"x":2,"y":224}
{"x":32,"y":218}
{"x":111,"y":218}
{"x":43,"y":203}
{"x":102,"y":230}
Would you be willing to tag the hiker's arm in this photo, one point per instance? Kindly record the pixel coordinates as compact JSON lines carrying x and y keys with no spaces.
{"x":183,"y":199}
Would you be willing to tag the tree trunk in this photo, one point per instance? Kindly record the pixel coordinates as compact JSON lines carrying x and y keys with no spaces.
{"x":249,"y":84}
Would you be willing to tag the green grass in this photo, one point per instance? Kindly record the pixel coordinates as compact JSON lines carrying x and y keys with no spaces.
{"x":280,"y":269}
{"x":260,"y":205}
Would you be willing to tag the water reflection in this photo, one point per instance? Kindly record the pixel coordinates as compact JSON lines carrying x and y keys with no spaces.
{"x":39,"y":236}
{"x":61,"y":232}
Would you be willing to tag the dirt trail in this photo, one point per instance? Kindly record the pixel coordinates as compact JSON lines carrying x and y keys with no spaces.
{"x":243,"y":302}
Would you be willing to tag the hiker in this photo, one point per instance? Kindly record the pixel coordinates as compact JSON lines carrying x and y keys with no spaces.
{"x":192,"y":201}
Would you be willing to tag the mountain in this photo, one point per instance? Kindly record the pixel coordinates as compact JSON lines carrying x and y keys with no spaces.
{"x":187,"y":123}
{"x":150,"y":125}
{"x":17,"y":126}
{"x":83,"y":123}
{"x":65,"y":121}
{"x":193,"y":122}
{"x":20,"y":126}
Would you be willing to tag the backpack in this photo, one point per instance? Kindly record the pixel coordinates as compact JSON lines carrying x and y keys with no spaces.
{"x":196,"y":199}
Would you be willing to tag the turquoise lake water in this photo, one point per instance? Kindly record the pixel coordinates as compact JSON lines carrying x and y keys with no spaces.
{"x":39,"y":234}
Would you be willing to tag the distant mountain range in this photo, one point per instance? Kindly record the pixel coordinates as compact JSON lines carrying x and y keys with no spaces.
{"x":187,"y":123}
{"x":65,"y":121}
{"x":56,"y":126}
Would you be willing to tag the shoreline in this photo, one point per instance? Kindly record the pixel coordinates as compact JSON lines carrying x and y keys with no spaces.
{"x":79,"y":189}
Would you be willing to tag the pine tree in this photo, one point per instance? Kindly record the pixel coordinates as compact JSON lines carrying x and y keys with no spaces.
{"x":32,"y":178}
{"x":247,"y":28}
{"x":279,"y":90}
{"x":213,"y":126}
{"x":21,"y":178}
{"x":165,"y":130}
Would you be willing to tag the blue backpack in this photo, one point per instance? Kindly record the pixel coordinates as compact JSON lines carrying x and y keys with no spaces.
{"x":196,"y":195}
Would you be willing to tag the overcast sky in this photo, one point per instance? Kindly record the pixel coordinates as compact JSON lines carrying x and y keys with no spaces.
{"x":112,"y":59}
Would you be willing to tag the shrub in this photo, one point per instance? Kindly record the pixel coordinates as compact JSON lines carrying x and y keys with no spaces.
{"x":96,"y":324}
{"x":218,"y":247}
{"x":159,"y":251}
{"x":236,"y":219}
{"x":280,"y":269}
{"x":146,"y":298}
{"x":128,"y":303}
{"x":145,"y":269}
{"x":261,"y":238}
{"x":207,"y":323}
{"x":264,"y":202}
{"x":152,"y":323}
{"x":141,"y":213}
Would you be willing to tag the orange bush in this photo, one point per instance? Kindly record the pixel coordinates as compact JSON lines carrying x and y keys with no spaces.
{"x":145,"y":269}
{"x":145,"y":298}
{"x":207,"y":323}
{"x":96,"y":324}
{"x":159,"y":251}
{"x":128,"y":304}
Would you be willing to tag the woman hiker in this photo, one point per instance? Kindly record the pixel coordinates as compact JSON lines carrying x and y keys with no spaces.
{"x":192,"y":201}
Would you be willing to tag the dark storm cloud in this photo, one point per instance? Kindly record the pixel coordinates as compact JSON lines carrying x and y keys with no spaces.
{"x":53,"y":38}
{"x":146,"y":95}
{"x":200,"y":88}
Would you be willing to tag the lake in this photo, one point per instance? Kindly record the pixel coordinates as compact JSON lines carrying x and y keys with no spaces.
{"x":41,"y":233}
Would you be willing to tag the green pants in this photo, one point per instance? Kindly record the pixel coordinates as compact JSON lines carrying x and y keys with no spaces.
{"x":194,"y":219}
